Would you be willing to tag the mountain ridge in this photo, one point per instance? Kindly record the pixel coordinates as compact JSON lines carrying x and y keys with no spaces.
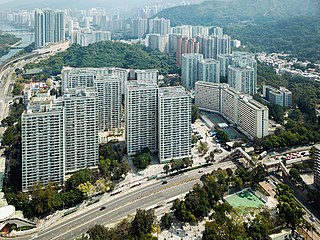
{"x":225,"y":12}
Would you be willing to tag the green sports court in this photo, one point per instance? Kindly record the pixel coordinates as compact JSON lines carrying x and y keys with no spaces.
{"x":245,"y":199}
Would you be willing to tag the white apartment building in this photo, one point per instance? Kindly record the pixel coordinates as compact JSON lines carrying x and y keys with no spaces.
{"x":158,"y":42}
{"x":253,"y":117}
{"x":139,"y":27}
{"x":250,"y":116}
{"x":209,"y":71}
{"x":229,"y":104}
{"x":174,"y":124}
{"x":108,"y":89}
{"x":243,"y":79}
{"x":149,"y":75}
{"x":77,"y":77}
{"x":81,"y":129}
{"x":317,"y":165}
{"x":190,"y":69}
{"x":49,"y":27}
{"x":160,"y":26}
{"x":43,"y":143}
{"x":141,"y":116}
{"x":208,"y":96}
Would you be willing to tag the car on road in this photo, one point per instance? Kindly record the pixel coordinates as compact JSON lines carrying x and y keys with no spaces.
{"x":312,"y":218}
{"x":102,"y":208}
{"x":200,"y":171}
{"x":164,"y":182}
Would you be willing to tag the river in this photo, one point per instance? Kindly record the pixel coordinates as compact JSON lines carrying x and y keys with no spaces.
{"x":26,"y":37}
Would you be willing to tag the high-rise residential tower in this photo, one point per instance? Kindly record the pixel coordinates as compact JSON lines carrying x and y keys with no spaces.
{"x":81,"y":129}
{"x":49,"y":27}
{"x":209,"y":71}
{"x":317,"y":165}
{"x":141,"y":116}
{"x":190,"y":69}
{"x":43,"y":143}
{"x":108,"y":91}
{"x":243,"y":79}
{"x":174,"y":124}
{"x":39,"y":29}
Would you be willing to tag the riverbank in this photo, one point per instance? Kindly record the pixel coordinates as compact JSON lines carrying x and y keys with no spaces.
{"x":25,"y":39}
{"x":6,"y":41}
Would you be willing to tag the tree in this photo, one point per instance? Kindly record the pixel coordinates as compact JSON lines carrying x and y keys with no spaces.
{"x":166,"y":221}
{"x":81,"y":176}
{"x":203,"y":148}
{"x":258,"y":228}
{"x":295,"y":115}
{"x":166,"y":168}
{"x":181,"y":213}
{"x":295,"y":175}
{"x":289,"y":210}
{"x":194,"y":113}
{"x":222,"y":135}
{"x":197,"y":202}
{"x":142,"y":159}
{"x":194,"y":139}
{"x":210,"y":158}
{"x":142,"y":222}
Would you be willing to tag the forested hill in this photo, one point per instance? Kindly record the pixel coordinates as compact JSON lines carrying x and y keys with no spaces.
{"x":225,"y":12}
{"x":298,"y":36}
{"x":108,"y":54}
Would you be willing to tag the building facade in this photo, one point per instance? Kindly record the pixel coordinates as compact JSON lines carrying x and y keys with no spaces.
{"x":209,"y":71}
{"x":190,"y":69}
{"x":108,"y":89}
{"x":141,"y":117}
{"x":42,"y":143}
{"x":81,"y":129}
{"x":243,"y":79}
{"x":49,"y":27}
{"x":248,"y":115}
{"x":174,"y":122}
{"x":317,"y":165}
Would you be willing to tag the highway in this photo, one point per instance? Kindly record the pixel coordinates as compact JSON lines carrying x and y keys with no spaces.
{"x":120,"y":206}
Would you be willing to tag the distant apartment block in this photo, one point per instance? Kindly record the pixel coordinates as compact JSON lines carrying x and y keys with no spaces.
{"x":190,"y":69}
{"x":160,"y":26}
{"x":250,"y":116}
{"x":158,"y":42}
{"x":243,"y":79}
{"x":139,"y":27}
{"x":209,"y":71}
{"x":84,"y":37}
{"x":49,"y":27}
{"x":240,"y":69}
{"x":174,"y":124}
{"x":281,"y":96}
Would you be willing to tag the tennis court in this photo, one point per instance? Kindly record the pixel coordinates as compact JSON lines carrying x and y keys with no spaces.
{"x":244,"y":199}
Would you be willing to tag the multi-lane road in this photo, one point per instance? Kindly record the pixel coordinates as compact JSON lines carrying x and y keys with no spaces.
{"x":119,"y":206}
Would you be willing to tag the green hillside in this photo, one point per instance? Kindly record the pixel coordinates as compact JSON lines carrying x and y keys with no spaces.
{"x":225,"y":12}
{"x":298,"y":36}
{"x":108,"y":54}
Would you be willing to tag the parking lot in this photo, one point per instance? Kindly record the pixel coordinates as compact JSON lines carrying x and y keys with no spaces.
{"x":202,"y":131}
